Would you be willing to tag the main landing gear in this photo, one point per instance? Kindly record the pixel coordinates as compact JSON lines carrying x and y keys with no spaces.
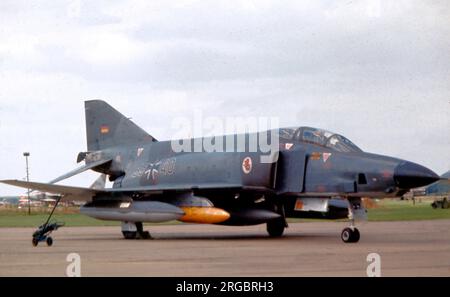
{"x":276,"y":227}
{"x":132,"y":230}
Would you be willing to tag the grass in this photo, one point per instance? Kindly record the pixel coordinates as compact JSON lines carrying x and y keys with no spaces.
{"x":22,"y":219}
{"x":385,"y":210}
{"x":394,"y":210}
{"x":397,"y":210}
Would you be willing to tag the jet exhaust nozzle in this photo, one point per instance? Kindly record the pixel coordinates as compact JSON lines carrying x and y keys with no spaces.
{"x":408,"y":175}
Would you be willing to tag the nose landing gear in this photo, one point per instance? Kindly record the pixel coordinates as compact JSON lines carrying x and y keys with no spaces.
{"x":356,"y":212}
{"x":350,"y":235}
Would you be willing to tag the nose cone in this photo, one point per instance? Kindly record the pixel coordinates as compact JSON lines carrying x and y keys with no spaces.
{"x":408,"y":175}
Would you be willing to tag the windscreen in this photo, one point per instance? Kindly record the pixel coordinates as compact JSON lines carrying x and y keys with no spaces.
{"x":325,"y":138}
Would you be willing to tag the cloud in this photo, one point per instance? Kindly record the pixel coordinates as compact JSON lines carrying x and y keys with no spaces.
{"x":375,"y":71}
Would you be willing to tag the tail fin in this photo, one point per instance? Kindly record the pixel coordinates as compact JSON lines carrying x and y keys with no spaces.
{"x":106,"y":127}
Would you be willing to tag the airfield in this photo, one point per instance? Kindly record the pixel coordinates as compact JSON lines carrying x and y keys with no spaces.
{"x":406,"y":248}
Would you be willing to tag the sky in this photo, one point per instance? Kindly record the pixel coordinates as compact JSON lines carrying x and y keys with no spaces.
{"x":375,"y":71}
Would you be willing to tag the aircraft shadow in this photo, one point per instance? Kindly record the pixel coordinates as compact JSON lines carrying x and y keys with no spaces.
{"x":224,"y":237}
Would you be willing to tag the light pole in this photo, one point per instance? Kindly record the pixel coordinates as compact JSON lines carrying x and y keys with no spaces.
{"x":26,"y":155}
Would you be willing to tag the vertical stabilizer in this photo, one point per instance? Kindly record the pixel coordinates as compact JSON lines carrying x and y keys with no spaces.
{"x":106,"y":127}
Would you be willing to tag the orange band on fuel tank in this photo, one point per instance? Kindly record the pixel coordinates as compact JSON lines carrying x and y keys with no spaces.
{"x":204,"y":215}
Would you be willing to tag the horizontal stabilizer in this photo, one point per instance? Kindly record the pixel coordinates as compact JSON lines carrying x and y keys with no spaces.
{"x":80,"y":170}
{"x":68,"y":192}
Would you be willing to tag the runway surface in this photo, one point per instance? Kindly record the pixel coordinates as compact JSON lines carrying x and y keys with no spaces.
{"x":420,"y":248}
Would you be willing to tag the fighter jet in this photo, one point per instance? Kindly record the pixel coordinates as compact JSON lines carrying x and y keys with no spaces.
{"x":442,"y":187}
{"x":311,"y":173}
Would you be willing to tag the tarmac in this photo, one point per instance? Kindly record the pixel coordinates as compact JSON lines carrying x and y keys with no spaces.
{"x":416,"y":248}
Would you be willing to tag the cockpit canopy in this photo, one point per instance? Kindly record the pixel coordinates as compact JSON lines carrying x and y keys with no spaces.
{"x":319,"y":137}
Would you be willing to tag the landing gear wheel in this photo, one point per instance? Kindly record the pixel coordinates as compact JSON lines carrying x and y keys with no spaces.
{"x":275,"y":228}
{"x":346,"y":235}
{"x":145,"y":235}
{"x":356,"y":235}
{"x":350,"y":235}
{"x":49,"y":241}
{"x":35,"y":242}
{"x":129,"y":234}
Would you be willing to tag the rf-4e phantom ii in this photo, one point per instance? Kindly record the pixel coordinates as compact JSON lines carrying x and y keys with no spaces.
{"x":313,"y":173}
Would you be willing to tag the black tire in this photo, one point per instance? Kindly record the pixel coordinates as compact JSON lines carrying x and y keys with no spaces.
{"x":346,"y":235}
{"x":35,"y":242}
{"x":139,"y":227}
{"x":275,"y":228}
{"x":129,"y":234}
{"x":356,"y":235}
{"x":350,"y":235}
{"x":49,"y":241}
{"x":434,"y":205}
{"x":145,"y":235}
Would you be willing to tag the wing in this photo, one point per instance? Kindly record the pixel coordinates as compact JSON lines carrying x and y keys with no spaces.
{"x":68,"y":192}
{"x":188,"y":187}
{"x":86,"y":194}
